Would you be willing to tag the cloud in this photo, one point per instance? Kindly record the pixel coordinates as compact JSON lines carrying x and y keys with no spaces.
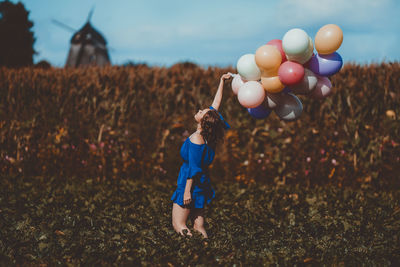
{"x":353,"y":13}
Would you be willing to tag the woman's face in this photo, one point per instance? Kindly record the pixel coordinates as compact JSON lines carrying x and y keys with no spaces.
{"x":200,"y":114}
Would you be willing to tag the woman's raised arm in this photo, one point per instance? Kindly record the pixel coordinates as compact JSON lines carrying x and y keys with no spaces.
{"x":218,"y":96}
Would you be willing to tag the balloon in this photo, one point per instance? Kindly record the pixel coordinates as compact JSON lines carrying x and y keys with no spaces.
{"x":268,"y":57}
{"x":260,"y":112}
{"x":303,"y":58}
{"x":295,"y":42}
{"x":251,"y":94}
{"x":278,"y":44}
{"x":328,"y":39}
{"x":290,"y":108}
{"x":325,"y":65}
{"x":237,"y":82}
{"x":247,"y":68}
{"x":291,"y":73}
{"x":272,"y":84}
{"x":306,"y":85}
{"x":272,"y":100}
{"x":322,"y":89}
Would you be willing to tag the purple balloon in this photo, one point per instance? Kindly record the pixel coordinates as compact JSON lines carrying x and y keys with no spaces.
{"x":325,"y":65}
{"x":274,"y":99}
{"x":322,"y":89}
{"x":259,"y":112}
{"x":290,"y":108}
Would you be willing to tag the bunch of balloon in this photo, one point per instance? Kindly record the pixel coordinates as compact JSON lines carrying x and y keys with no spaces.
{"x":280,"y":69}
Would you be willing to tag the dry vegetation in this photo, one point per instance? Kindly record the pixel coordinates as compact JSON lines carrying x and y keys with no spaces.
{"x":129,"y":122}
{"x":89,"y":160}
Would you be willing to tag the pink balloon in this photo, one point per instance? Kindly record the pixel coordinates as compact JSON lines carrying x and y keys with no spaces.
{"x":322,"y":89}
{"x":291,"y":73}
{"x":237,"y":82}
{"x":251,"y":94}
{"x":278,"y":44}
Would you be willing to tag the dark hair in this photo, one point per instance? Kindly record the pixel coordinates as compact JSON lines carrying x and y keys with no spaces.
{"x":212,"y":128}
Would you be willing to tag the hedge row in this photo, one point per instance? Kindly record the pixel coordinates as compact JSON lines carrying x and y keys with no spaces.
{"x":129,"y":122}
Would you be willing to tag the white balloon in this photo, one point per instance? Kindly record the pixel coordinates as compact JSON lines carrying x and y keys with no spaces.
{"x":237,"y":82}
{"x":295,"y":42}
{"x":251,"y":94}
{"x":247,"y":68}
{"x":303,"y":58}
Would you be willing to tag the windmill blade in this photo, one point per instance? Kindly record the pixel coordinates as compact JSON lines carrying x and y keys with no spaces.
{"x":90,"y":14}
{"x":64,"y":26}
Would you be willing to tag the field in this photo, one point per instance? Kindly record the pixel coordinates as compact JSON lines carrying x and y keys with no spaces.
{"x":89,"y":160}
{"x":81,"y":222}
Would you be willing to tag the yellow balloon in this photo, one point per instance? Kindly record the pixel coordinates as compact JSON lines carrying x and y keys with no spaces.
{"x":272,"y":84}
{"x":328,"y":39}
{"x":268,"y":57}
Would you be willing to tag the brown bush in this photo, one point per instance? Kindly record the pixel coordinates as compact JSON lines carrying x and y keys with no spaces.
{"x":129,"y":122}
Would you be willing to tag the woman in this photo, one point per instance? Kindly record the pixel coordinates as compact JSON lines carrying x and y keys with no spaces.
{"x":194,"y":188}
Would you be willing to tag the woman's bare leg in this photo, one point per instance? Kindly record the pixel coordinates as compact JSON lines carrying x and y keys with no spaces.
{"x":197,"y":217}
{"x":179,"y":218}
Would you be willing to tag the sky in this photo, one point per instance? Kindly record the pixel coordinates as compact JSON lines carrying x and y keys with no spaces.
{"x":213,"y":32}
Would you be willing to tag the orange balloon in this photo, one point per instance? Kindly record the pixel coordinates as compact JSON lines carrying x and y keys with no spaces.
{"x":270,"y":72}
{"x":268,"y":57}
{"x":328,"y":39}
{"x":272,"y":84}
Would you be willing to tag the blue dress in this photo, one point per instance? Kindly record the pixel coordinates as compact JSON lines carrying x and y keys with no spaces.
{"x":194,"y":167}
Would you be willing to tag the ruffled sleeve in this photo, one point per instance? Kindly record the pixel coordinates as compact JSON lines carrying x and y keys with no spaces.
{"x":195,"y":154}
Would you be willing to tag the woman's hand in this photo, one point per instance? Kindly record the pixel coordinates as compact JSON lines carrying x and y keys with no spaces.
{"x":226,"y":76}
{"x":187,"y":198}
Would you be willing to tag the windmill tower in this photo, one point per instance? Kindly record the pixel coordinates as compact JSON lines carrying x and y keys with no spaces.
{"x":88,"y":47}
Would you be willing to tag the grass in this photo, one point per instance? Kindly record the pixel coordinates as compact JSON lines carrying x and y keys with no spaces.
{"x":82,"y":222}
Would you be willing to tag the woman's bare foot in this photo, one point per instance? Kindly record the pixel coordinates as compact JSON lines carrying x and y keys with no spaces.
{"x":202,"y":231}
{"x":185,"y":232}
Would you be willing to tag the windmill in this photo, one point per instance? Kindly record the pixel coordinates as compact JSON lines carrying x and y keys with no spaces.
{"x":88,"y":46}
